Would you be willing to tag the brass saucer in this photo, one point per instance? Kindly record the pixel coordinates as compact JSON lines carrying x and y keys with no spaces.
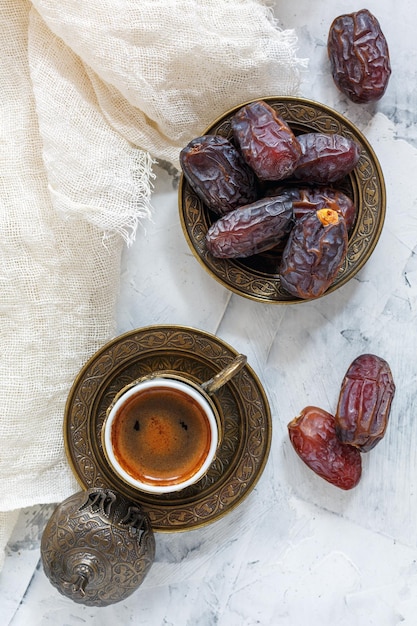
{"x":241,"y":402}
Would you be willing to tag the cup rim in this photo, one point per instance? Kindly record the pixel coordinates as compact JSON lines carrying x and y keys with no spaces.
{"x":172,"y":382}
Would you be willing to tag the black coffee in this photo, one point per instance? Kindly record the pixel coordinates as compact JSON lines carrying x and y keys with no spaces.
{"x":161,"y":436}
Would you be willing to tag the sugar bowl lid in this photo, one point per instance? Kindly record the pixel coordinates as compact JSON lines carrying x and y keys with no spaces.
{"x":97,"y":547}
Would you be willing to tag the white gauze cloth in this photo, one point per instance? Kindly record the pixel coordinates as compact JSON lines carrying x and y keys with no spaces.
{"x":92,"y":93}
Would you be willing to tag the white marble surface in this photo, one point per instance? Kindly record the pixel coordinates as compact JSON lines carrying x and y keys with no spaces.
{"x":297,"y":551}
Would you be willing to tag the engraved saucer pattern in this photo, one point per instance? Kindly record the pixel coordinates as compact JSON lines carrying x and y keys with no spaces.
{"x":257,"y":277}
{"x":241,"y":402}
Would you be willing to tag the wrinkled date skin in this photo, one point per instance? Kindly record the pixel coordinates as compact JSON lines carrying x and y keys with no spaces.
{"x":314,"y":253}
{"x":251,"y":229}
{"x":359,"y":56}
{"x":325,"y":157}
{"x":364,"y":402}
{"x":313,"y":436}
{"x":266,"y":141}
{"x":218,"y":174}
{"x":310,"y":199}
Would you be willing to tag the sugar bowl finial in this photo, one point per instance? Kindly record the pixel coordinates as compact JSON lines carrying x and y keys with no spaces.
{"x":97,"y":547}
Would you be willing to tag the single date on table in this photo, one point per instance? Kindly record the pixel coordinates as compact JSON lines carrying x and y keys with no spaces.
{"x":359,"y":56}
{"x":364,"y":402}
{"x":313,"y":436}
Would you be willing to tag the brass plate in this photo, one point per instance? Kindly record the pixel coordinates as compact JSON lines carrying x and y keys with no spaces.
{"x":241,"y":402}
{"x":256,"y":277}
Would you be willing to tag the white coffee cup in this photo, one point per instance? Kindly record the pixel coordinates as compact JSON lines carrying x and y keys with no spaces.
{"x":162,"y":432}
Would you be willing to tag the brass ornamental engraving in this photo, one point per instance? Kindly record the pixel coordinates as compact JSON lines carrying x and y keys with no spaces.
{"x":97,"y":547}
{"x":199,"y":356}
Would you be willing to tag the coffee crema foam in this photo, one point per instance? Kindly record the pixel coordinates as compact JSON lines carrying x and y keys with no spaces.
{"x":161,"y":436}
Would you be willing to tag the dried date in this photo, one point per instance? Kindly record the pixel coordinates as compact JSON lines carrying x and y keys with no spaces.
{"x":309,"y":199}
{"x":364,"y":402}
{"x":313,"y":436}
{"x":325,"y":157}
{"x":250,"y":229}
{"x":314,"y":253}
{"x":359,"y":56}
{"x":218,"y":174}
{"x":266,"y":141}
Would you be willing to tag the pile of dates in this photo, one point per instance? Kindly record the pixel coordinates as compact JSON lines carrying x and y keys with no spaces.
{"x":331,"y":445}
{"x":269,"y":188}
